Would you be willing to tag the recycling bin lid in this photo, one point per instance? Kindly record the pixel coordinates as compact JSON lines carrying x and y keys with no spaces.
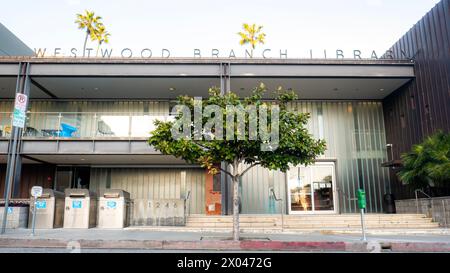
{"x":78,"y":193}
{"x":48,"y":193}
{"x":114,"y":193}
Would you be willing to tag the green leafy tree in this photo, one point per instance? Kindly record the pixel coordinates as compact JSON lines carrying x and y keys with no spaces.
{"x":251,"y":35}
{"x":102,"y":36}
{"x":90,"y":23}
{"x":427,"y":164}
{"x":241,"y":152}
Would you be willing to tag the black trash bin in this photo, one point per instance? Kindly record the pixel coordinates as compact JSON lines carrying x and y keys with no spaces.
{"x":389,"y":203}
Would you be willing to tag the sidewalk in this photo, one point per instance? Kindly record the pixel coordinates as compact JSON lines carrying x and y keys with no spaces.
{"x":171,"y":240}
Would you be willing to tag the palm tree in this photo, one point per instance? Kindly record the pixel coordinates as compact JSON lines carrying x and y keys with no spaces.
{"x":102,"y":36}
{"x":252,"y":35}
{"x":90,"y":23}
{"x":428,"y":163}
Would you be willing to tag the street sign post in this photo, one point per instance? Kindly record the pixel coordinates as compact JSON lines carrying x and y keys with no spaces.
{"x":361,"y":194}
{"x":36,"y":192}
{"x":19,"y":117}
{"x":20,"y":108}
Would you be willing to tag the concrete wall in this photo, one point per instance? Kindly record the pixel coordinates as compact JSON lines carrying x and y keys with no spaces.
{"x":158,"y":212}
{"x":438,"y":208}
{"x":17,"y":216}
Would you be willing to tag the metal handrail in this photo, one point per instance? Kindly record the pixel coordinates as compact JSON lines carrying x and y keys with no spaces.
{"x":186,"y":205}
{"x":345,"y":194}
{"x":282,"y":207}
{"x":417,"y":198}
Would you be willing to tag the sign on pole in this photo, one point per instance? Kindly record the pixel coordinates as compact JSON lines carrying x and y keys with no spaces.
{"x":20,"y":107}
{"x":36,"y":191}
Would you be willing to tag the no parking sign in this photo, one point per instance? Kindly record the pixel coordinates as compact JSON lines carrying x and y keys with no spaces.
{"x":20,"y":107}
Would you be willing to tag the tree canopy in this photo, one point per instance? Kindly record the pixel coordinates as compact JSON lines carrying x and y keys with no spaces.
{"x":295,"y":144}
{"x":252,"y":35}
{"x":237,"y":131}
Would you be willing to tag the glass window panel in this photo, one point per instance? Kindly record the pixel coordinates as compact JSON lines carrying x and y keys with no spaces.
{"x":141,"y":126}
{"x":299,"y":182}
{"x":322,"y":180}
{"x":113,"y":125}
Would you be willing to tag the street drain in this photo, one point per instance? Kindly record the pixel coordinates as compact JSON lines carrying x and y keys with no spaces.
{"x":386,"y":247}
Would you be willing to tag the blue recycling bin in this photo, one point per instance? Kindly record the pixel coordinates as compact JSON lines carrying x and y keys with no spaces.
{"x":67,"y":130}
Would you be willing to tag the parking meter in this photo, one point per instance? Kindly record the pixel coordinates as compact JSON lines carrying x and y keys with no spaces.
{"x":361,"y":195}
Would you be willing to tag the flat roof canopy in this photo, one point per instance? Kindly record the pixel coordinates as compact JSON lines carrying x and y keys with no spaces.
{"x":168,"y":78}
{"x":94,"y":159}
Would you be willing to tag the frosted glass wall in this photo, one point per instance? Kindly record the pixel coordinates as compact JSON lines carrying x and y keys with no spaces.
{"x":355,"y":137}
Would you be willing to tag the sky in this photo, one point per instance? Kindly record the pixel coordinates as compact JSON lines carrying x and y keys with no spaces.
{"x":295,"y":26}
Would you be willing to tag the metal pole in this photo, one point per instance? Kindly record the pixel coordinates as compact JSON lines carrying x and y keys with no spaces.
{"x":11,"y":160}
{"x":363,"y":226}
{"x":18,"y":161}
{"x":9,"y":179}
{"x":34,"y":216}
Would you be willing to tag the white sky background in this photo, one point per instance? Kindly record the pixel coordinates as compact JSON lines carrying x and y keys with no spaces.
{"x":181,"y":26}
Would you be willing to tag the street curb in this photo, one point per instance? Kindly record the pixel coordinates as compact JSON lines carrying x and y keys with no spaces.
{"x":244,"y":245}
{"x":254,"y":245}
{"x":417,"y":247}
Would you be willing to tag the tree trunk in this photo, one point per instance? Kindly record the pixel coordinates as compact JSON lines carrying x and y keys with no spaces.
{"x":85,"y":42}
{"x":236,"y":208}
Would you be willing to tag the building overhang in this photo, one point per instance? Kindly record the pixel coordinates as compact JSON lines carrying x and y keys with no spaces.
{"x":90,"y":78}
{"x":90,"y":152}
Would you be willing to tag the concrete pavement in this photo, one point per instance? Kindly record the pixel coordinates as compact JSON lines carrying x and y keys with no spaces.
{"x":91,"y":240}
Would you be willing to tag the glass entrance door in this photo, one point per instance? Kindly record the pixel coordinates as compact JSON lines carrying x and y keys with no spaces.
{"x":311,"y":188}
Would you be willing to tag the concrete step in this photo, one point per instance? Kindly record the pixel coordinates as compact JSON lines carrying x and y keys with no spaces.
{"x":428,"y":225}
{"x":308,"y":217}
{"x":311,"y":225}
{"x":304,"y":218}
{"x":354,"y":219}
{"x":321,"y":222}
{"x":376,"y":221}
{"x":226,"y":225}
{"x":230,"y":220}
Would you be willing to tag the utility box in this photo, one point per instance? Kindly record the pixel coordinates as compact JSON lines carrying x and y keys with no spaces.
{"x":80,"y":208}
{"x":49,"y":210}
{"x":113,"y":209}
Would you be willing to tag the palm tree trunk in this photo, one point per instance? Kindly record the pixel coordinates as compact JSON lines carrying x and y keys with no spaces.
{"x":85,"y":42}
